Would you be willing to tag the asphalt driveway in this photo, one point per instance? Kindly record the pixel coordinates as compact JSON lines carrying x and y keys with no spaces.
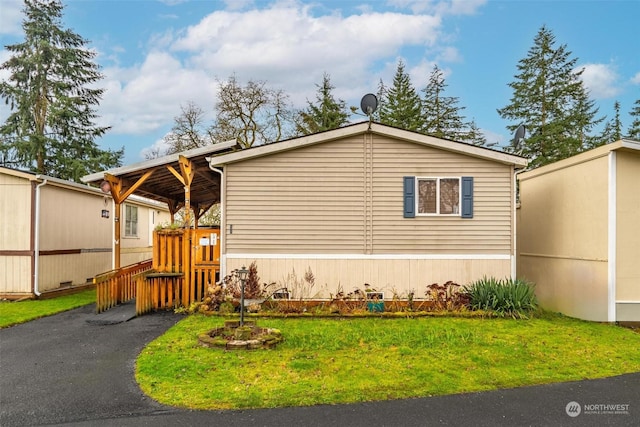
{"x":63,"y":370}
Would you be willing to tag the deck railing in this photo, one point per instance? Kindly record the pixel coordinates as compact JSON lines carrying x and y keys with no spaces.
{"x":118,"y":286}
{"x":184,"y":264}
{"x":158,"y":291}
{"x":169,"y":284}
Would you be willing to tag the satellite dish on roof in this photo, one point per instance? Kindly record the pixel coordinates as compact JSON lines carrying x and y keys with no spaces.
{"x":369,"y":104}
{"x":518,"y":137}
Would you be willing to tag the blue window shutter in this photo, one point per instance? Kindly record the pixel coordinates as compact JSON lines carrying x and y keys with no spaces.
{"x":467,"y":197}
{"x":409,"y":197}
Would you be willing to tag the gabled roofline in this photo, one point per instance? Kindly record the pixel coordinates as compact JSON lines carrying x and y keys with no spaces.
{"x":18,"y":173}
{"x":160,"y":161}
{"x":375,"y":128}
{"x":35,"y":177}
{"x":75,"y":186}
{"x":595,"y":153}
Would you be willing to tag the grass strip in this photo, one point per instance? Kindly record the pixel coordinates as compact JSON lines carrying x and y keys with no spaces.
{"x":13,"y":313}
{"x":330,"y":361}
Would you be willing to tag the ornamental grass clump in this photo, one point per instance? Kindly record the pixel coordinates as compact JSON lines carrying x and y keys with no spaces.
{"x":504,"y":298}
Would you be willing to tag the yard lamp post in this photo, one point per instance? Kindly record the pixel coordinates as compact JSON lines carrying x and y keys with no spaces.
{"x":242,"y":275}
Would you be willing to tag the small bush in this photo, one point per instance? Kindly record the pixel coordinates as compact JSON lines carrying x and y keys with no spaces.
{"x":447,"y":297}
{"x":505,"y":298}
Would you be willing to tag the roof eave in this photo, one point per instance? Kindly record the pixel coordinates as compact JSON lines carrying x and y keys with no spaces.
{"x":476,"y":151}
{"x":586,"y":156}
{"x":149,"y":164}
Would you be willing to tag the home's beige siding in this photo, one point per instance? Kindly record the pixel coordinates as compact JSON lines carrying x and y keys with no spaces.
{"x":341,"y":204}
{"x":346,"y":197}
{"x":628,"y":236}
{"x":488,"y":232}
{"x":15,"y":213}
{"x":72,"y":220}
{"x":71,"y":269}
{"x":391,"y":276}
{"x":75,"y":242}
{"x":139,"y":247}
{"x":562,"y":237}
{"x":15,"y":274}
{"x":308,"y":200}
{"x":15,"y":235}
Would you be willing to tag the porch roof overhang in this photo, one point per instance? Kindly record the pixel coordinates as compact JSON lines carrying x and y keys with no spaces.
{"x":163,"y":185}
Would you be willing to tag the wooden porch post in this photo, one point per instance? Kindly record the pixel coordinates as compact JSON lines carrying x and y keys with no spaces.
{"x":173,"y":208}
{"x":201,"y":210}
{"x":120,"y":194}
{"x":116,"y":234}
{"x":187,"y":172}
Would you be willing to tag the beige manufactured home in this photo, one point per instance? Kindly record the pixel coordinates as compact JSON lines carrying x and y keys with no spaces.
{"x":55,"y":234}
{"x":369,"y":204}
{"x":579,"y":233}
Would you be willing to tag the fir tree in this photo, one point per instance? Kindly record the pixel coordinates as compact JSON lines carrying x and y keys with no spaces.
{"x":441,"y":114}
{"x":634,"y":129}
{"x":612,"y":129}
{"x":52,"y":96}
{"x":549,"y":97}
{"x":475,"y":135}
{"x":327,"y":113}
{"x":401,"y":104}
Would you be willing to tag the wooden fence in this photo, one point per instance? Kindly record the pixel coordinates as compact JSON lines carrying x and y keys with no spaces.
{"x":169,"y":284}
{"x":118,"y":286}
{"x":158,"y":291}
{"x":184,"y":264}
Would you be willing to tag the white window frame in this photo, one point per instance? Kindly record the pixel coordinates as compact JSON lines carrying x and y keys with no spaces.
{"x":127,"y":221}
{"x":438,"y":179}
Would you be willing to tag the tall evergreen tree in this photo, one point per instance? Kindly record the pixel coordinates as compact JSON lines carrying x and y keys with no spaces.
{"x":550,"y":98}
{"x":441,"y":114}
{"x":612,"y":129}
{"x":634,"y":129}
{"x":474,"y":135}
{"x":327,"y":113}
{"x":401,"y":104}
{"x":52,"y":95}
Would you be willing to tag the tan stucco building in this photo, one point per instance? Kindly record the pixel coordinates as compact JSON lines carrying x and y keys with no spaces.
{"x":578,"y":233}
{"x":56,"y":234}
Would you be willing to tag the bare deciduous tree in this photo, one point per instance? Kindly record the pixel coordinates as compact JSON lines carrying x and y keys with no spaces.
{"x":252,"y":114}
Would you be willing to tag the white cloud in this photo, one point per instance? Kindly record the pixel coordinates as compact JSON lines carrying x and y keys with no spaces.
{"x":160,"y":146}
{"x":452,"y":7}
{"x":238,"y":4}
{"x":495,"y":140}
{"x":601,"y":80}
{"x":147,"y":97}
{"x":449,"y":54}
{"x":287,"y":46}
{"x":11,"y":17}
{"x":465,"y":7}
{"x":636,"y":79}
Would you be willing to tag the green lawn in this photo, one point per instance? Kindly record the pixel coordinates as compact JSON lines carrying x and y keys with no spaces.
{"x":329,"y":361}
{"x":12,"y":313}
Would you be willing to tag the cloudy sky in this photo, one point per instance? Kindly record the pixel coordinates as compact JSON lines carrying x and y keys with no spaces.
{"x":159,"y":55}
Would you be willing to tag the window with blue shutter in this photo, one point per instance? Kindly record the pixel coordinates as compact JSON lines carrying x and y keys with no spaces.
{"x":409,"y":197}
{"x":467,"y":197}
